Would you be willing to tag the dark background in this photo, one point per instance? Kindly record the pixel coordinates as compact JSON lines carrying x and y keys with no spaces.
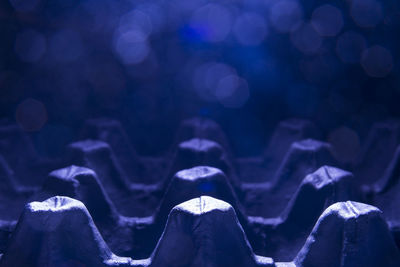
{"x":150,"y":64}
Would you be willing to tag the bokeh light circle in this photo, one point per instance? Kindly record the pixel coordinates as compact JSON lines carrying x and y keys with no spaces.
{"x":250,"y":29}
{"x":377,"y":61}
{"x":285,"y":15}
{"x":306,"y":39}
{"x":366,"y":13}
{"x":132,"y":47}
{"x":327,"y":20}
{"x":136,"y":21}
{"x":30,"y":45}
{"x":232,"y":91}
{"x":212,"y":22}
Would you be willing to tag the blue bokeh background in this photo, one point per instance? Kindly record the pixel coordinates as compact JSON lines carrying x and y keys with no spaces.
{"x":247,"y":64}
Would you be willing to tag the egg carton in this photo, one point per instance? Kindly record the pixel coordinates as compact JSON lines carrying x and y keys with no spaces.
{"x":277,"y":200}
